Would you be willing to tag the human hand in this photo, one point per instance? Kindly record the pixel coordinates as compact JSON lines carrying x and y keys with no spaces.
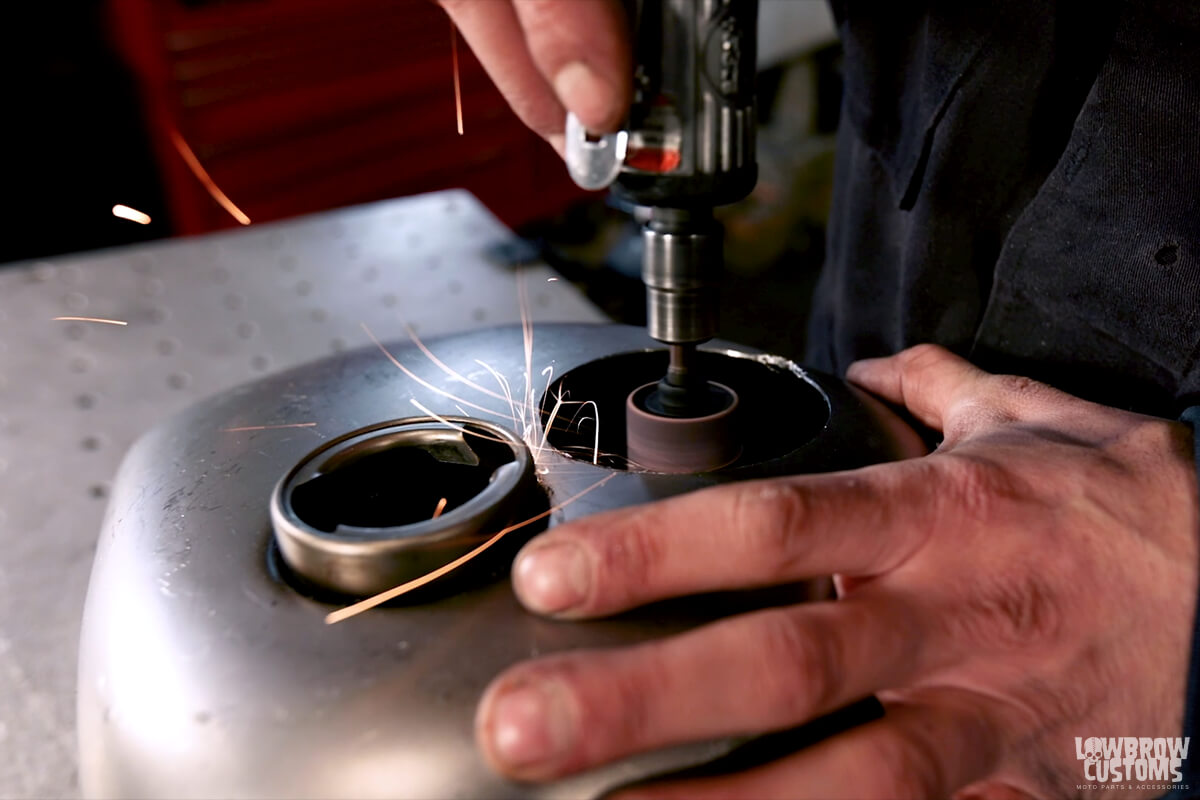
{"x":548,"y":57}
{"x":1032,"y":580}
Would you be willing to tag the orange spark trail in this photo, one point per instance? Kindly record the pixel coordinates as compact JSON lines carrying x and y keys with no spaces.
{"x":269,"y":427}
{"x":371,"y":602}
{"x":90,"y":319}
{"x":457,"y":85}
{"x":431,"y":413}
{"x":446,"y":368}
{"x":396,"y":362}
{"x":441,"y":506}
{"x":131,"y":214}
{"x":527,"y":337}
{"x":202,"y":175}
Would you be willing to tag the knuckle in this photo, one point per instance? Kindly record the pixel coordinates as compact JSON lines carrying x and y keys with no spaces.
{"x":633,"y":551}
{"x":923,"y":356}
{"x":1158,"y":443}
{"x":972,"y":415}
{"x":541,"y":8}
{"x":618,"y":697}
{"x":920,"y":361}
{"x":800,"y":669}
{"x":539,"y":17}
{"x":1011,"y":613}
{"x":970,"y":484}
{"x":767,"y":519}
{"x":635,"y":701}
{"x":921,"y":368}
{"x":1016,"y":391}
{"x":976,"y":486}
{"x":903,"y":768}
{"x":553,"y":30}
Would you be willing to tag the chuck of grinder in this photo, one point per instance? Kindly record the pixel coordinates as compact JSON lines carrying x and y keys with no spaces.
{"x":681,"y":267}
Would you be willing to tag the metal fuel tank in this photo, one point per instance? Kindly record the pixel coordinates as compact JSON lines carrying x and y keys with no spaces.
{"x":206,"y":666}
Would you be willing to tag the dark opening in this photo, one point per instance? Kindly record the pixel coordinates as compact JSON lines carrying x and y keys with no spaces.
{"x":399,"y":484}
{"x":777,"y":413}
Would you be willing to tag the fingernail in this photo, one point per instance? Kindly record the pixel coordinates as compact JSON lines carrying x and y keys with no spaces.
{"x":584,"y":92}
{"x":530,"y":726}
{"x":553,"y":578}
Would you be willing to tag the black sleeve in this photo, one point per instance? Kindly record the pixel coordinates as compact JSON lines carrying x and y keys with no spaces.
{"x":1189,"y":787}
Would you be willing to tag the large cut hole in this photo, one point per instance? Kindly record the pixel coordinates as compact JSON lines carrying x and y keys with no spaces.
{"x":395,"y":479}
{"x":778,"y":410}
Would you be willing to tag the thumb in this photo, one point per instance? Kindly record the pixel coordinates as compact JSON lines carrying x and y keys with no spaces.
{"x":927,"y":379}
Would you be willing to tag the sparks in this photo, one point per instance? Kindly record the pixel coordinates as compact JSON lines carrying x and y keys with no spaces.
{"x":595,"y":421}
{"x":457,"y":83}
{"x":441,"y":506}
{"x":427,"y":411}
{"x":503,"y":383}
{"x":205,"y":179}
{"x":524,"y":415}
{"x":404,"y":588}
{"x":444,"y":367}
{"x":537,"y":445}
{"x":102,"y":320}
{"x":269,"y":427}
{"x":396,"y":362}
{"x":546,"y":428}
{"x":527,"y":341}
{"x":131,"y":214}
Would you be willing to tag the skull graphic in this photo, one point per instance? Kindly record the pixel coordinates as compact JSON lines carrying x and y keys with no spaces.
{"x":1092,"y":750}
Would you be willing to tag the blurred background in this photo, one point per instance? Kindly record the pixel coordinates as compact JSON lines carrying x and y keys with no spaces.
{"x":298,"y":106}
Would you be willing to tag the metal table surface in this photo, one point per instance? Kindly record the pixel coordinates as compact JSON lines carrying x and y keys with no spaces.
{"x":204,"y":314}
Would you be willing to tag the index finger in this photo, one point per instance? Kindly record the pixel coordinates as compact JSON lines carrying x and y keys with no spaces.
{"x":548,"y":58}
{"x":741,"y":535}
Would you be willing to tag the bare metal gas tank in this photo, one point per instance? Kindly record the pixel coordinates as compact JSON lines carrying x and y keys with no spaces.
{"x":207,"y":667}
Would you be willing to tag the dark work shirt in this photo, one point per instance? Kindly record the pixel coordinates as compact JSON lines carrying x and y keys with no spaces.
{"x":1019,"y":180}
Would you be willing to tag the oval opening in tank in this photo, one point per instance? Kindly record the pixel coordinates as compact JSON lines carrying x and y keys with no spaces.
{"x":397,"y":479}
{"x":780,"y":410}
{"x":391,"y":502}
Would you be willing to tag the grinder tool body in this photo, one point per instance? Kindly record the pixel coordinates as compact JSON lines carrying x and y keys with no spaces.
{"x":687,"y":147}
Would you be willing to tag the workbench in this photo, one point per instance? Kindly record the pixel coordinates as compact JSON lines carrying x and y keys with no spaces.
{"x":203,"y":314}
